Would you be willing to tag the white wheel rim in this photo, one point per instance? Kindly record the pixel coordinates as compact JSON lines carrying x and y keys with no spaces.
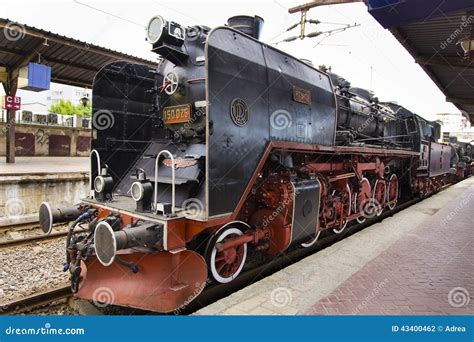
{"x":391,"y":206}
{"x":312,"y":242}
{"x":379,"y":211}
{"x":363,"y":218}
{"x":212,"y":265}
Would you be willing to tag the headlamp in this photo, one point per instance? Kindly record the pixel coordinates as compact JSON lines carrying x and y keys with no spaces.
{"x":137,"y":191}
{"x":160,"y":31}
{"x":155,"y":29}
{"x":99,"y":184}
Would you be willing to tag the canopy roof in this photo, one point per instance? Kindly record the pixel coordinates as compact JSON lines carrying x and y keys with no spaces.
{"x":429,"y":30}
{"x":72,"y":62}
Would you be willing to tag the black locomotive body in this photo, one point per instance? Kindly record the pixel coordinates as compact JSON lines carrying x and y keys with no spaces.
{"x":231,"y":145}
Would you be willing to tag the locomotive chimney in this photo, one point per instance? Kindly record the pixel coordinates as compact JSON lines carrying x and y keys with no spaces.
{"x":247,"y":24}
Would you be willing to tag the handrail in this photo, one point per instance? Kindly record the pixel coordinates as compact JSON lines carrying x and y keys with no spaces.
{"x":172,"y":180}
{"x":91,"y":181}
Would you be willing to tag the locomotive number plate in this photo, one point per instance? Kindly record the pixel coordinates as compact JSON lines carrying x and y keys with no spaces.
{"x":302,"y":95}
{"x":177,"y":114}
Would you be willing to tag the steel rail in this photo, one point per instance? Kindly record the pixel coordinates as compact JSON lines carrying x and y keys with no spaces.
{"x":29,"y":239}
{"x":35,"y":300}
{"x":19,"y":227}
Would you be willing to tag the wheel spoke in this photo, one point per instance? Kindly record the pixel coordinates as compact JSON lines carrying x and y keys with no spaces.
{"x":220,"y":266}
{"x":221,"y":269}
{"x":220,"y":257}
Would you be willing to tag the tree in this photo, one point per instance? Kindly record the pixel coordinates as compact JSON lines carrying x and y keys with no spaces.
{"x":63,"y":107}
{"x":68,"y":108}
{"x":84,"y":110}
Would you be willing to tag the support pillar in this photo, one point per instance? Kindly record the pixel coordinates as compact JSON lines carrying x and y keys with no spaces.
{"x":10,"y":124}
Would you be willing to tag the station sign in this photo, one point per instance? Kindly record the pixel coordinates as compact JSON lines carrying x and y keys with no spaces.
{"x":11,"y":102}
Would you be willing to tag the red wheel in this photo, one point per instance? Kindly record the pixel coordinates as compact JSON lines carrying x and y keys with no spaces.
{"x":392,"y":191}
{"x":364,"y":195}
{"x":379,"y":195}
{"x":225,"y":265}
{"x":347,"y":202}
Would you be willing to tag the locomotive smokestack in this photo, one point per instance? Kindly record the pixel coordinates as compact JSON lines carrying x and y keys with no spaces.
{"x":247,"y":24}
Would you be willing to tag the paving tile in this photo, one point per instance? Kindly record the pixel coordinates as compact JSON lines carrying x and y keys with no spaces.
{"x":425,"y":266}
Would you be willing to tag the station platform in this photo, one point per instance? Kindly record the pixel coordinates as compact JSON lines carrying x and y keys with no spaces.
{"x":416,"y":262}
{"x":44,"y":165}
{"x":24,"y":185}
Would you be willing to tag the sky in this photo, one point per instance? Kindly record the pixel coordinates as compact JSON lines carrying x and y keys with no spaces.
{"x":368,"y":55}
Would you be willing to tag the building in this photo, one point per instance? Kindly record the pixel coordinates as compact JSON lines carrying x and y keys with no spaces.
{"x":66,"y":93}
{"x":35,"y":107}
{"x":39,"y":102}
{"x":456,"y":124}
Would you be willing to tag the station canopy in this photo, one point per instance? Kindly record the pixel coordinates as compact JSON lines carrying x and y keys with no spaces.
{"x":72,"y":62}
{"x":430,"y":31}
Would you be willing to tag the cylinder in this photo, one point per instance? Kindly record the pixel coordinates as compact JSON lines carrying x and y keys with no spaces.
{"x":48,"y":217}
{"x":107,"y":241}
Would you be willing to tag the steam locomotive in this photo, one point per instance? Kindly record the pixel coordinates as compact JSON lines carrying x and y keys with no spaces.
{"x":231,"y":148}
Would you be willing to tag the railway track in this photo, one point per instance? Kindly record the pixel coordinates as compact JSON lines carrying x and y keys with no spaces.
{"x":35,"y":300}
{"x":19,"y":227}
{"x":29,"y":239}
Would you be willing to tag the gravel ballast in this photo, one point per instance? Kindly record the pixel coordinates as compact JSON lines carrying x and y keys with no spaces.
{"x":31,"y":268}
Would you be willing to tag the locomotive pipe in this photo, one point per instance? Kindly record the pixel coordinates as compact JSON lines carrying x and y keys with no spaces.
{"x":107,"y":241}
{"x":253,"y":237}
{"x":48,"y":216}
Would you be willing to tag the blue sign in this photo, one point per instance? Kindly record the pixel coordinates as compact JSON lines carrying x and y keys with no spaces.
{"x":233,"y":328}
